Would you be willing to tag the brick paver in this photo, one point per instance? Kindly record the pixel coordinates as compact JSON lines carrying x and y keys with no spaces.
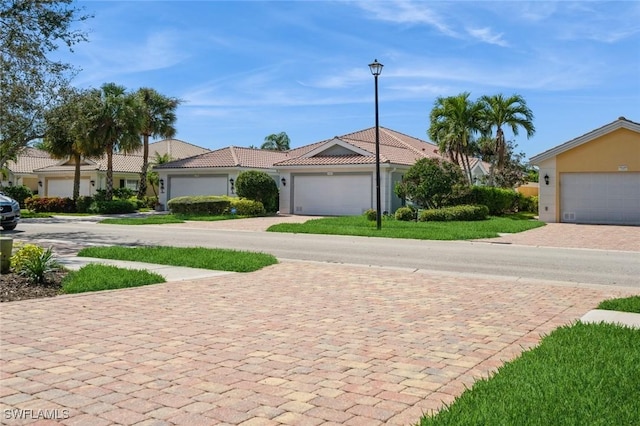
{"x":295,"y":343}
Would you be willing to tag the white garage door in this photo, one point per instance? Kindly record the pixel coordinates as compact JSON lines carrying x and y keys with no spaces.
{"x":603,"y":198}
{"x":332,"y":195}
{"x":201,"y":185}
{"x":64,"y":187}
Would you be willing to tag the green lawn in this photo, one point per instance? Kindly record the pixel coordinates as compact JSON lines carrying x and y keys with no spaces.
{"x":583,"y":374}
{"x":391,"y":228}
{"x":625,"y":304}
{"x":148,"y":220}
{"x":193,"y":257}
{"x":94,"y":277}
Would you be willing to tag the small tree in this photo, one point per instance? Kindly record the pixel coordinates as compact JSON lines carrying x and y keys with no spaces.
{"x":258,"y":186}
{"x":432,"y":183}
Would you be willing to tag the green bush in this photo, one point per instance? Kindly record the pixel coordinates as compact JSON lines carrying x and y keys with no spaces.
{"x":201,"y":204}
{"x":19,"y":193}
{"x":113,"y":207}
{"x":405,"y":214}
{"x":23,"y":254}
{"x":83,"y":204}
{"x":526,"y":204}
{"x":371,"y":214}
{"x":50,"y":204}
{"x":244,"y":207}
{"x":258,"y":186}
{"x":455,"y":213}
{"x":498,"y":200}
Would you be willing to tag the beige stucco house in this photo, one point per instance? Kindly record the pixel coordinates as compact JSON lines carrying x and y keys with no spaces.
{"x":330,"y":178}
{"x":50,"y":177}
{"x":594,"y":178}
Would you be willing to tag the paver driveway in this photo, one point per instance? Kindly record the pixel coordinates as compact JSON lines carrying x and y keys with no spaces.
{"x":296,"y":343}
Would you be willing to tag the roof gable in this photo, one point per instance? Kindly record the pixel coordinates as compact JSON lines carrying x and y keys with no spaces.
{"x":620,"y":123}
{"x":334,"y":148}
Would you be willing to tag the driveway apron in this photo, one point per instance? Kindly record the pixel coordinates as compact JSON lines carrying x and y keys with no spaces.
{"x":297,"y":343}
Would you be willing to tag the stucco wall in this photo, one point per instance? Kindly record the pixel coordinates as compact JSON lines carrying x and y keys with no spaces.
{"x":612,"y":152}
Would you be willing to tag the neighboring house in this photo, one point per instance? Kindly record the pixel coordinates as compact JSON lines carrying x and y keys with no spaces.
{"x":54,"y":178}
{"x":331,"y":177}
{"x":594,"y":178}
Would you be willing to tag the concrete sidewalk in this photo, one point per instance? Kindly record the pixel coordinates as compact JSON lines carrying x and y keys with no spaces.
{"x":170,"y":273}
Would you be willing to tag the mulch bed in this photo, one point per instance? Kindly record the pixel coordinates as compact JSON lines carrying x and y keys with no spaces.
{"x":15,"y":287}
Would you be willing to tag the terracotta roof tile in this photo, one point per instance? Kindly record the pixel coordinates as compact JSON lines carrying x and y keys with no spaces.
{"x":31,"y":159}
{"x":231,"y":156}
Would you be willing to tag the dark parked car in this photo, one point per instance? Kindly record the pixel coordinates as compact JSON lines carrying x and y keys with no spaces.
{"x":10,"y":210}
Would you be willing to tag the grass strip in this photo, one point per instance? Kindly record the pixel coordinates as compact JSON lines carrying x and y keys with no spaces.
{"x":583,"y":374}
{"x":192,"y":257}
{"x":624,"y":304}
{"x":95,"y":277}
{"x":391,"y":228}
{"x":149,"y":220}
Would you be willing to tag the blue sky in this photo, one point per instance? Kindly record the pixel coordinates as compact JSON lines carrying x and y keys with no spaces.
{"x":247,"y":69}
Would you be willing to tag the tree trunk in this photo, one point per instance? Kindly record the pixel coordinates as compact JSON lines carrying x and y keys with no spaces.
{"x":142,"y":188}
{"x":76,"y":177}
{"x":109,"y":193}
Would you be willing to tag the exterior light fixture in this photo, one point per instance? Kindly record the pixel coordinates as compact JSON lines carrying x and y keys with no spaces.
{"x":40,"y":183}
{"x":284,"y":182}
{"x":546,"y":179}
{"x":162,"y":185}
{"x":93,"y":182}
{"x":376,"y":69}
{"x":232,"y":182}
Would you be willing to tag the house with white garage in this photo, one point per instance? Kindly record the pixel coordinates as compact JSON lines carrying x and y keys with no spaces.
{"x":594,"y":178}
{"x":329,"y":178}
{"x":50,"y":177}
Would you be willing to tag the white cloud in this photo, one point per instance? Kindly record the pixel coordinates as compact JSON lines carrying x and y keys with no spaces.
{"x":486,"y":35}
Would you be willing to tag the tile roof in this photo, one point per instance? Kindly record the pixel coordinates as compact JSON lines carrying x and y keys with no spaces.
{"x":231,"y":156}
{"x":395,"y":148}
{"x":35,"y":160}
{"x":31,"y":159}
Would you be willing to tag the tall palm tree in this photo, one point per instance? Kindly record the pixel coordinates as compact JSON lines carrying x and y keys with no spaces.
{"x":159,"y":116}
{"x":63,"y":136}
{"x":500,"y":112}
{"x":279,"y":142}
{"x":115,"y":124}
{"x":454,"y":121}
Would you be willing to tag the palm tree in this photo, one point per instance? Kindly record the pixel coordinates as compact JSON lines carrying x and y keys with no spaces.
{"x":500,"y":112}
{"x":159,"y":117}
{"x":115,"y":124}
{"x":63,"y":135}
{"x":279,"y":142}
{"x":454,"y":121}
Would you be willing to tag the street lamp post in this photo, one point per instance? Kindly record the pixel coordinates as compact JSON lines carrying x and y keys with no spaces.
{"x":376,"y":69}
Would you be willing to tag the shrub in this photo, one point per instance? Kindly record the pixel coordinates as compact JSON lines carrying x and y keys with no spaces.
{"x":371,"y":214}
{"x":113,"y":207}
{"x":201,"y":204}
{"x":23,"y":254}
{"x":433,"y":183}
{"x":498,"y":200}
{"x":405,"y":214}
{"x":83,"y":204}
{"x":36,"y":268}
{"x":244,"y":207}
{"x":455,"y":213}
{"x":19,"y":193}
{"x":258,"y":186}
{"x":526,"y":204}
{"x":50,"y":204}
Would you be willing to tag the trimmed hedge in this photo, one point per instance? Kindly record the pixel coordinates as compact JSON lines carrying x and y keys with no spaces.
{"x":455,"y":213}
{"x":244,"y":207}
{"x":201,"y":204}
{"x":405,"y":214}
{"x":50,"y":204}
{"x":498,"y":200}
{"x":113,"y":207}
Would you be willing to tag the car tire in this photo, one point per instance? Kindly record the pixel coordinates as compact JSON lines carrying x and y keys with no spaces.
{"x":9,"y":227}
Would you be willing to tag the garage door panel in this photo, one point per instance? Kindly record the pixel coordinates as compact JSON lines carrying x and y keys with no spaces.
{"x":602,"y":198}
{"x":332,"y":195}
{"x":64,"y":187}
{"x":202,"y":185}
